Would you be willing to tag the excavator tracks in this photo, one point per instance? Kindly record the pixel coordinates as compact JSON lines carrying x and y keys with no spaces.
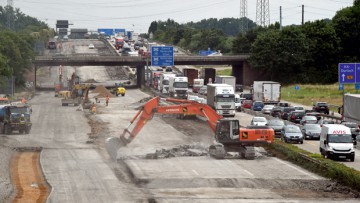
{"x":27,"y":177}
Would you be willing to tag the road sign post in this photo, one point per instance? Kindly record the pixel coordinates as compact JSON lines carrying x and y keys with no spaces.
{"x":162,"y":56}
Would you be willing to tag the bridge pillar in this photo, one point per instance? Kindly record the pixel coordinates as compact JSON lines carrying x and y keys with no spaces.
{"x":140,"y":75}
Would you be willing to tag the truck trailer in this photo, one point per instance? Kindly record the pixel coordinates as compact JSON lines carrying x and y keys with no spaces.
{"x":208,"y":74}
{"x":268,"y":92}
{"x":224,"y":79}
{"x":351,"y":111}
{"x":221,"y":98}
{"x":191,"y":74}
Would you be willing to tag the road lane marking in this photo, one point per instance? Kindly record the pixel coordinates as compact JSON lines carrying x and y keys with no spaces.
{"x":195,"y":172}
{"x":311,"y":143}
{"x":298,"y":169}
{"x":246,"y":171}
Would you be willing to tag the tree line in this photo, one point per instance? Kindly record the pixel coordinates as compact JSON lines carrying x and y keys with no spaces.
{"x":18,"y":35}
{"x":307,"y":53}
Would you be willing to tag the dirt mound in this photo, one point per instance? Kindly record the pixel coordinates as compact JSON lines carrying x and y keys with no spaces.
{"x":103,"y":92}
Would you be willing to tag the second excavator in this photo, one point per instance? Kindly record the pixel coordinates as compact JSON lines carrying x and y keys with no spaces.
{"x":229,"y":136}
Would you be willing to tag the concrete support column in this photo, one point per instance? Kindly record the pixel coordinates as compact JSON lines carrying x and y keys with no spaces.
{"x":238,"y":72}
{"x":140,"y":74}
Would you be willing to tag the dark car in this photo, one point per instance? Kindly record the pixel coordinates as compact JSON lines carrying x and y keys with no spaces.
{"x":321,"y":107}
{"x":257,"y":106}
{"x":277,"y":125}
{"x":285,"y":112}
{"x":247,"y":96}
{"x":296,"y":116}
{"x":276,"y":112}
{"x":311,"y":131}
{"x":284,"y":104}
{"x":313,"y":113}
{"x":239,"y":88}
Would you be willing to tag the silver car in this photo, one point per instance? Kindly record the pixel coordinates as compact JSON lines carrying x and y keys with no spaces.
{"x":311,"y":131}
{"x":267,"y":109}
{"x":292,"y":133}
{"x":259,"y":121}
{"x":308,"y":119}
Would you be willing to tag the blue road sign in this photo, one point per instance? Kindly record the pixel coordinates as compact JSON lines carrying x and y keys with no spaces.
{"x":162,"y":56}
{"x":347,"y":73}
{"x":357,"y":72}
{"x":341,"y":87}
{"x":357,"y":86}
{"x":296,"y":87}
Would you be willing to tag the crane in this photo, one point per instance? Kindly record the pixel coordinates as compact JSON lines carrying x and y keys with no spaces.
{"x":229,"y":136}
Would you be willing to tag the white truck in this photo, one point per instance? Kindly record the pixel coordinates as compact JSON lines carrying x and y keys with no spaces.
{"x":178,"y":87}
{"x":224,"y":79}
{"x":221,"y":97}
{"x":164,"y":82}
{"x":268,"y":92}
{"x":351,"y":111}
{"x":198,"y":83}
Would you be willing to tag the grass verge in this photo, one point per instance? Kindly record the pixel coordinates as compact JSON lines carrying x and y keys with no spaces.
{"x":317,"y":164}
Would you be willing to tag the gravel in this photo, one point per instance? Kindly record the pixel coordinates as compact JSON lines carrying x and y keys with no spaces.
{"x":6,"y":188}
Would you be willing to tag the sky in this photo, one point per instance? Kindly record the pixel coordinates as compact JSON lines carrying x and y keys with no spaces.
{"x":137,"y":15}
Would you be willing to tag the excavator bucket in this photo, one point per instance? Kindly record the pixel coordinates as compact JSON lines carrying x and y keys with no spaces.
{"x":113,"y":144}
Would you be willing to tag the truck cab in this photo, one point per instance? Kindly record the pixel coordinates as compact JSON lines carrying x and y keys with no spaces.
{"x":221,"y":97}
{"x":178,"y":87}
{"x":336,"y":141}
{"x":164,"y":82}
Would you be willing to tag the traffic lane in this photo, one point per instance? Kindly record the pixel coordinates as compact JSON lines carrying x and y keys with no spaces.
{"x":311,"y":146}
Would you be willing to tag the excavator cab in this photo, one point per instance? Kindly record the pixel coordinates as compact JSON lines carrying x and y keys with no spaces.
{"x":227,"y":130}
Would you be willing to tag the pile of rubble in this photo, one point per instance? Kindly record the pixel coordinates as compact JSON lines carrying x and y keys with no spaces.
{"x":179,"y":151}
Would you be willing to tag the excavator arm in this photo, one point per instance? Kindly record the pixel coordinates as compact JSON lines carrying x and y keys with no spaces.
{"x":185,"y":107}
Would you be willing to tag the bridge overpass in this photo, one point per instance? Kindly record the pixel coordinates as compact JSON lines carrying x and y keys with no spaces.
{"x":240,"y":67}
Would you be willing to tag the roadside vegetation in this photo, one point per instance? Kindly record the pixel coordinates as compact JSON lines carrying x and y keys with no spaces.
{"x":309,"y":94}
{"x":307,"y":54}
{"x":317,"y":164}
{"x":18,"y":41}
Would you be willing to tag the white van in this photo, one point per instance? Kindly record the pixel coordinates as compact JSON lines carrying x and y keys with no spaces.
{"x":238,"y":102}
{"x":336,"y":141}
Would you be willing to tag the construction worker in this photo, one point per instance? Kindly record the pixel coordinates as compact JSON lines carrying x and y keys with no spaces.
{"x":23,"y":100}
{"x":107,"y":100}
{"x":93,"y":108}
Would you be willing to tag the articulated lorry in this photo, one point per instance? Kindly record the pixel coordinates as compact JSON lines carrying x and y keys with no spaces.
{"x":178,"y":87}
{"x":191,"y":74}
{"x":208,"y":74}
{"x":224,"y":79}
{"x":351,"y":111}
{"x":268,"y":92}
{"x":221,"y":97}
{"x":164,"y":82}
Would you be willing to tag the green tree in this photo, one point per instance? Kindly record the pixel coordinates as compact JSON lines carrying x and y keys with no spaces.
{"x":347,"y":26}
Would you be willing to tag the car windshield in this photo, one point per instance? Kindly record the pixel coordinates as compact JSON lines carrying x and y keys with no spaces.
{"x":342,"y":138}
{"x":275,"y":123}
{"x":310,"y":118}
{"x":312,"y":127}
{"x":350,"y":125}
{"x":289,"y":109}
{"x":228,"y":98}
{"x":19,"y":110}
{"x":165,"y":82}
{"x":292,"y":129}
{"x":299,"y":108}
{"x":181,"y":84}
{"x":268,"y":106}
{"x":322,"y":104}
{"x":259,"y":119}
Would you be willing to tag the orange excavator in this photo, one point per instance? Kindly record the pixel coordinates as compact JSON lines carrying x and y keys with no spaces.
{"x":229,"y":136}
